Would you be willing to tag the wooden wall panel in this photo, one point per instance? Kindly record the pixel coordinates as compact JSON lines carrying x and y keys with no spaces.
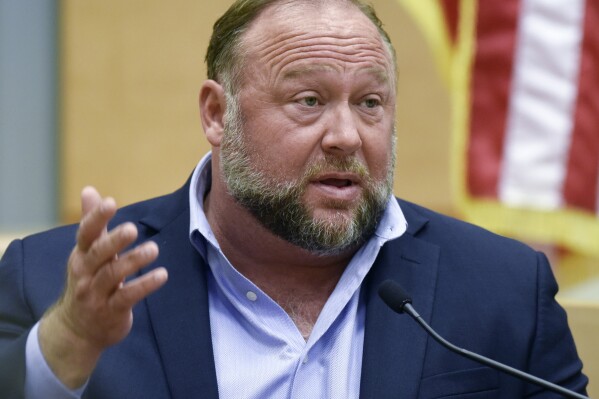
{"x":130,"y":77}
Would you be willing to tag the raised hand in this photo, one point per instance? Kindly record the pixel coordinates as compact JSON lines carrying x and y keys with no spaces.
{"x":95,"y":309}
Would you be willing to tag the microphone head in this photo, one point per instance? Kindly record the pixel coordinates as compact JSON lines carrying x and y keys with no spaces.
{"x":394,"y":296}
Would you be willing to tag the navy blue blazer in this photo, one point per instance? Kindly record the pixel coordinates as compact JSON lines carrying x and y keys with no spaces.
{"x":486,"y":293}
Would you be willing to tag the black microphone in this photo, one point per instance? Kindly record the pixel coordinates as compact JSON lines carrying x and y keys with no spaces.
{"x":398,"y":300}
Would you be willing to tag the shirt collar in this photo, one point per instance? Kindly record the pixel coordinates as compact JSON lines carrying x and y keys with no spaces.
{"x":201,"y":180}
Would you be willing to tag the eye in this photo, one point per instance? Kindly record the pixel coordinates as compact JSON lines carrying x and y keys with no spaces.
{"x":371,"y":103}
{"x":309,"y":101}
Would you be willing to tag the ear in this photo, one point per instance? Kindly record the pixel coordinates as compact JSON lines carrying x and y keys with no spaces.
{"x":212,"y":110}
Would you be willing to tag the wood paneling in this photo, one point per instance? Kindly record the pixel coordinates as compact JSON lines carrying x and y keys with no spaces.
{"x":130,"y":76}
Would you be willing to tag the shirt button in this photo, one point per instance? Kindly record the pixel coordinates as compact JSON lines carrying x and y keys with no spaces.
{"x":251,"y":295}
{"x":288,"y":353}
{"x":305,"y":359}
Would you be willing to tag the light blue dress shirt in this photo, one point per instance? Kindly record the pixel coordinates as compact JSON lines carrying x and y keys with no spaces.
{"x":258,"y":350}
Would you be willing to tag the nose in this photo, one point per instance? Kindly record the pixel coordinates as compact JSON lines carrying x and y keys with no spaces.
{"x":342,"y":136}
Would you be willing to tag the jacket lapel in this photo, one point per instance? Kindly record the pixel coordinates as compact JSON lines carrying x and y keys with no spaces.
{"x":394,"y":345}
{"x":179,"y":311}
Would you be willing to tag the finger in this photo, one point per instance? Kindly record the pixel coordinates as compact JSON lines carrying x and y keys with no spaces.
{"x":90,"y":198}
{"x":111,"y":276}
{"x":135,"y":290}
{"x":104,"y":249}
{"x":93,"y":223}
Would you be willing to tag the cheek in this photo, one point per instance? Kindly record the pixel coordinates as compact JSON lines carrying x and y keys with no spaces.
{"x":278,"y":143}
{"x":378,"y":153}
{"x":277,"y":148}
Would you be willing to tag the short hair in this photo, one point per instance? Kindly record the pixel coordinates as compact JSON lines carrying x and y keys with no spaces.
{"x":224,"y":55}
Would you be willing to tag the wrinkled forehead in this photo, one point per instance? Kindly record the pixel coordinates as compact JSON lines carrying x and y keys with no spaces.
{"x":299,"y":31}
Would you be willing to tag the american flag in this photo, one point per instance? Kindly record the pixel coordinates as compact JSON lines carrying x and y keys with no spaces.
{"x":524,"y":82}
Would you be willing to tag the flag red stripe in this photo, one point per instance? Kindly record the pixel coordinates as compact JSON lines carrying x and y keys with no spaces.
{"x":580,"y":186}
{"x":451,"y":12}
{"x":496,"y":29}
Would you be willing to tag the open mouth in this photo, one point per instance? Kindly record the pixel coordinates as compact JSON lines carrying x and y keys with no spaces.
{"x":337,"y":182}
{"x":338,"y":187}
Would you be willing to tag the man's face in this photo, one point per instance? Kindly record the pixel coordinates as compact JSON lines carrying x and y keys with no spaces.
{"x":308,"y":148}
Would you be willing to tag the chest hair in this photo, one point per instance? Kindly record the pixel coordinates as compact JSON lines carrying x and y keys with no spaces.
{"x":302,"y":309}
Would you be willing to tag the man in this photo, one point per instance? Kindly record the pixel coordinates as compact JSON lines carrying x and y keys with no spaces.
{"x":274,"y":250}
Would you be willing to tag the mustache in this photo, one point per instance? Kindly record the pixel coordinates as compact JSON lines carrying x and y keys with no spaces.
{"x":331,"y":164}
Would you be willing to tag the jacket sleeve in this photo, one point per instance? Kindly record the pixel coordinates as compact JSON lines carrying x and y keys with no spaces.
{"x":16,"y":320}
{"x":553,"y":353}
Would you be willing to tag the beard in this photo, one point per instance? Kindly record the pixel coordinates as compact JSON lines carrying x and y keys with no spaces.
{"x":279,"y":206}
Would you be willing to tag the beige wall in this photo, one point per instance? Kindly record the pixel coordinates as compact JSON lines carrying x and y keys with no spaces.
{"x":131,"y":71}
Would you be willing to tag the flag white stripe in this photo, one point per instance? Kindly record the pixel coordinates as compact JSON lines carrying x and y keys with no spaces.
{"x":543,"y":96}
